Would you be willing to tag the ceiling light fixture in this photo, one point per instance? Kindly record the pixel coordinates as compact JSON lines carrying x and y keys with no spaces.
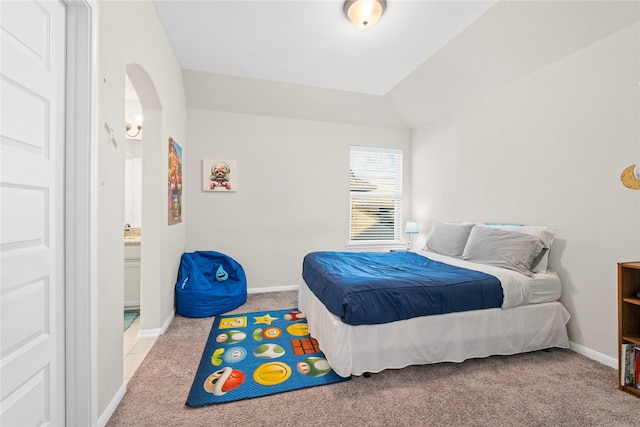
{"x":364,"y":13}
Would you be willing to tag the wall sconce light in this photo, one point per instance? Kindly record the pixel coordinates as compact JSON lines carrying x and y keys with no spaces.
{"x":128,"y":127}
{"x":411,"y":228}
{"x":364,"y":13}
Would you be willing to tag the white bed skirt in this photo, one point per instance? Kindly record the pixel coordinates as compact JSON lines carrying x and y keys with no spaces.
{"x":452,"y":337}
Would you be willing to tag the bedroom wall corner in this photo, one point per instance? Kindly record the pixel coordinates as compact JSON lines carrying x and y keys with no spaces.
{"x":548,"y":149}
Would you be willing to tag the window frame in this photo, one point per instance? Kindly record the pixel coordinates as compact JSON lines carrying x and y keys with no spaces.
{"x":397,"y":197}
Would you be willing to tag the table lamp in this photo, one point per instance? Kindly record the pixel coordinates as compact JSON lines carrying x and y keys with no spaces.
{"x":411,"y":228}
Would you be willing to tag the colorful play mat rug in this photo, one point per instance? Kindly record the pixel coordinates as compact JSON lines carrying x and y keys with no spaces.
{"x":258,"y":354}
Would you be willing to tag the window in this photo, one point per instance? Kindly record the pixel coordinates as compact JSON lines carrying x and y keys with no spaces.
{"x":376,"y":195}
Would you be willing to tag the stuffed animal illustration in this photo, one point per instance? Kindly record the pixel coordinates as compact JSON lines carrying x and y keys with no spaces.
{"x":220,"y":172}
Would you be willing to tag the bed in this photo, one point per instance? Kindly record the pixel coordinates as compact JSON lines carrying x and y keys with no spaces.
{"x":528,"y":318}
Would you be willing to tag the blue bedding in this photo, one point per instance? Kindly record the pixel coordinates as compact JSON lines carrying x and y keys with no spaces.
{"x":367,"y":288}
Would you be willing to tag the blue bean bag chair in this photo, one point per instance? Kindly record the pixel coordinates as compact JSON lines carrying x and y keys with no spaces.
{"x":209,"y":283}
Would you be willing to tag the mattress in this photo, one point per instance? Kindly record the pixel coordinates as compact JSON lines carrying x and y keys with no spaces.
{"x":366,"y":288}
{"x":518,"y":288}
{"x":530,"y":319}
{"x":452,"y":337}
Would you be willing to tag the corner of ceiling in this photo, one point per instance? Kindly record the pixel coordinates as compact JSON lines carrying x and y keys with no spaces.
{"x":508,"y":42}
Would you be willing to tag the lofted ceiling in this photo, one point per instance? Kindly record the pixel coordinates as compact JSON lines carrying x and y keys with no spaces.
{"x":423,"y":59}
{"x":311,"y":42}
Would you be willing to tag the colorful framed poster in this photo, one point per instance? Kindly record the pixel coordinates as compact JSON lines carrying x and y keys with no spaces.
{"x":219,"y":175}
{"x":175,"y":182}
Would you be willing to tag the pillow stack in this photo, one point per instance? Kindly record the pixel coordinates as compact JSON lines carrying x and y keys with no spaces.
{"x":522,"y":248}
{"x":448,"y":239}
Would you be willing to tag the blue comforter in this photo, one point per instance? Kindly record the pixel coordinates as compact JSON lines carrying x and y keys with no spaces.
{"x":366,"y":288}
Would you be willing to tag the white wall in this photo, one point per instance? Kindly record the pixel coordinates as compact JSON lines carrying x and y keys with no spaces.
{"x":292,"y":198}
{"x":130,"y":33}
{"x":133,"y":192}
{"x":548,"y":149}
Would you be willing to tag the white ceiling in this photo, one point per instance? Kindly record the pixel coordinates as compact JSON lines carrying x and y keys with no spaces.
{"x":303,"y":59}
{"x":311,"y":42}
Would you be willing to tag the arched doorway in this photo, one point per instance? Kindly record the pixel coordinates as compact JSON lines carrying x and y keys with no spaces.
{"x":152,"y":149}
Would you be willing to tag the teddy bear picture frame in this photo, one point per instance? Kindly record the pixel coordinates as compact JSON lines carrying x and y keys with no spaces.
{"x":219,"y":175}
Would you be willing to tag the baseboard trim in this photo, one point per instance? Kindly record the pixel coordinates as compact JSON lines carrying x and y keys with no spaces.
{"x":113,"y":405}
{"x":131,"y":305}
{"x":612,"y":362}
{"x":154,"y":333}
{"x":273,"y":289}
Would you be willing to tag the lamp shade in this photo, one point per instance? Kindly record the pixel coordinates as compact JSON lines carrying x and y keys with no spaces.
{"x":364,"y":13}
{"x":411,"y":227}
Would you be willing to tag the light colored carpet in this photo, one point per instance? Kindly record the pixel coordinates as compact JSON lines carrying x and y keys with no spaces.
{"x":545,"y":388}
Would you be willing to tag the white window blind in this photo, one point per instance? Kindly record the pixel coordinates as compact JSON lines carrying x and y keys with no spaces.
{"x":376,"y":194}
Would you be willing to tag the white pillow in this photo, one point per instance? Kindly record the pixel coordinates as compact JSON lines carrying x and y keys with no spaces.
{"x":502,"y":248}
{"x":544,"y":233}
{"x":448,"y":239}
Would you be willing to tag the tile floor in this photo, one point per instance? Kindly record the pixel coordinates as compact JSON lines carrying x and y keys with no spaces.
{"x":135,"y":349}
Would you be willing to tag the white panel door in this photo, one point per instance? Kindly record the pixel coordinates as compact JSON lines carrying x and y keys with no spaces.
{"x":32,"y":90}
